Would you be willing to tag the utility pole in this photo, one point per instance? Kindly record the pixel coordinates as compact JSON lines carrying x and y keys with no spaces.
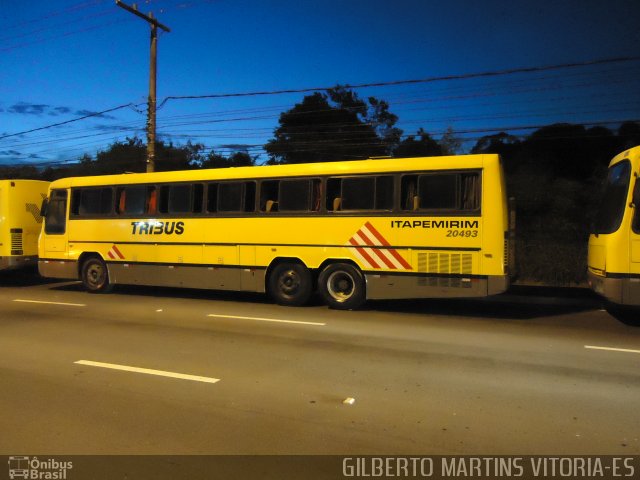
{"x":151,"y":111}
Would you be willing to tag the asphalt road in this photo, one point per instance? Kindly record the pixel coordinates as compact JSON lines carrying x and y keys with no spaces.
{"x":504,"y":376}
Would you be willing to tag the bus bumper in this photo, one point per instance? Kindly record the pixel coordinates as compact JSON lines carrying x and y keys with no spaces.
{"x":58,"y":269}
{"x":621,"y":291}
{"x":19,"y":261}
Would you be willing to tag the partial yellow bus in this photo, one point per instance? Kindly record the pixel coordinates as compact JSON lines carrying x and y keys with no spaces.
{"x":352,"y":231}
{"x":614,"y":244}
{"x":20,"y":222}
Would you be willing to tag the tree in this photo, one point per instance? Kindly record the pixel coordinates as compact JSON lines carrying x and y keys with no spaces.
{"x":238,"y":159}
{"x":423,"y":146}
{"x":500,"y":143}
{"x":505,"y":145}
{"x":131,"y":156}
{"x":451,"y":145}
{"x":629,"y":135}
{"x":333,"y":126}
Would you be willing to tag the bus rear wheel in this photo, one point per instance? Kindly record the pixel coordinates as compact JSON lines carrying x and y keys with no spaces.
{"x":95,"y":276}
{"x":342,"y":286}
{"x":290,"y":284}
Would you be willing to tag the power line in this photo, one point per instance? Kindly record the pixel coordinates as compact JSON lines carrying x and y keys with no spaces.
{"x":96,"y":114}
{"x":493,"y":73}
{"x":364,"y":85}
{"x":431,"y":100}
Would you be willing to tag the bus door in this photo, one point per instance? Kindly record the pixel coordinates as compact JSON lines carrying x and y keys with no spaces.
{"x":55,"y":224}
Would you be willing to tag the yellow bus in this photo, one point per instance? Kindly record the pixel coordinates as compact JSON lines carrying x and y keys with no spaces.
{"x":353,"y":231}
{"x":20,"y":221}
{"x":614,"y":244}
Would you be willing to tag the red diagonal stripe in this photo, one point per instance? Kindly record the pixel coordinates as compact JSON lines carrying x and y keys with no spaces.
{"x":399,"y":257}
{"x":379,"y":253}
{"x":110,"y":255}
{"x":362,"y":252}
{"x":377,"y":234}
{"x":383,"y":241}
{"x":117,"y":252}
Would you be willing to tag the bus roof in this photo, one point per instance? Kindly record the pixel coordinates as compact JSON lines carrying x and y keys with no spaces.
{"x":293,"y":170}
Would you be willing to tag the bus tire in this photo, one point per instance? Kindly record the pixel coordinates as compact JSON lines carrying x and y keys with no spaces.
{"x":95,"y":276}
{"x":342,"y":286}
{"x":290,"y":284}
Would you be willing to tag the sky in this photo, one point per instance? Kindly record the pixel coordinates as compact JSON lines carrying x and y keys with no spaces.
{"x":67,"y":59}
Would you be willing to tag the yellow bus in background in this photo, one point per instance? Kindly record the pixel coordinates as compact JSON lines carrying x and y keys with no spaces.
{"x":614,"y":244}
{"x":20,"y":221}
{"x":353,"y":231}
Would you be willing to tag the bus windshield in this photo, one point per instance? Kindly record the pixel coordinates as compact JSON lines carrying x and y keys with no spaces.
{"x":609,"y":216}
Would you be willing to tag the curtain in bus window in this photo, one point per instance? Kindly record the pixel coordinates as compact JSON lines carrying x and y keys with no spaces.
{"x":409,"y":192}
{"x":317,"y":195}
{"x":152,"y":200}
{"x":470,"y":191}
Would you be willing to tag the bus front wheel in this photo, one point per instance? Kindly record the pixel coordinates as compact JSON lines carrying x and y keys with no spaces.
{"x":342,"y":286}
{"x":290,"y":284}
{"x":95,"y":276}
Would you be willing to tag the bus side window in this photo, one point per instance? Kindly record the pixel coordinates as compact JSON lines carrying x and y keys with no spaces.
{"x":316,"y":195}
{"x":91,"y":201}
{"x":121,"y":198}
{"x":358,"y":193}
{"x":269,"y":196}
{"x":212,"y":197}
{"x":131,"y":200}
{"x":197,"y":198}
{"x":249,"y":202}
{"x":152,"y":201}
{"x":384,"y":193}
{"x":230,"y":197}
{"x":76,"y":196}
{"x":438,"y":191}
{"x":180,"y":198}
{"x":470,"y":191}
{"x":295,"y":195}
{"x":409,"y":192}
{"x":333,"y":194}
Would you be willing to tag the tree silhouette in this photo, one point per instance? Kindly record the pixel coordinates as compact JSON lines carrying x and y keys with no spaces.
{"x":333,"y":126}
{"x":423,"y":146}
{"x":238,"y":159}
